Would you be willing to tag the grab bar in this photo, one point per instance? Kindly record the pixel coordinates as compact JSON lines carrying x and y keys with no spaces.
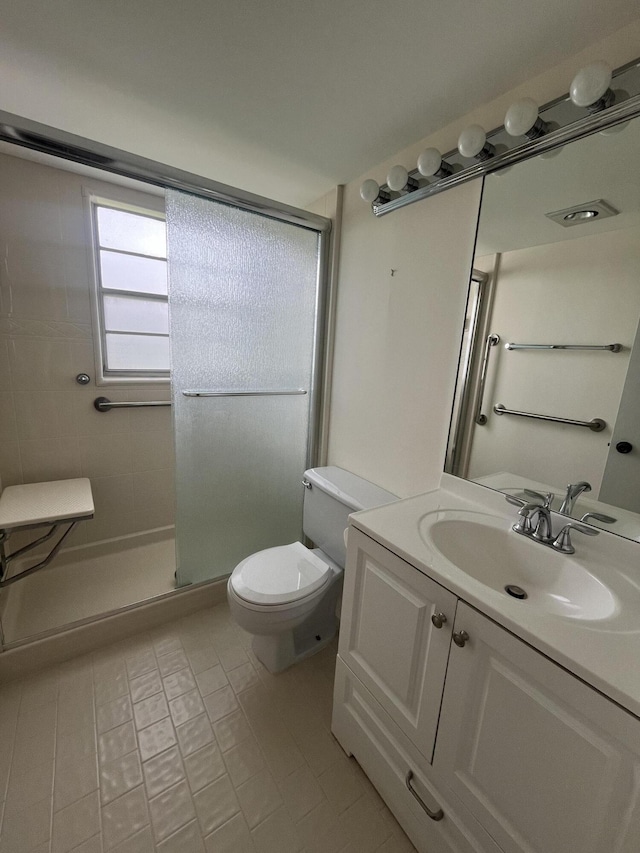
{"x":610,"y":347}
{"x":596,"y":425}
{"x":103,"y":404}
{"x":286,"y":393}
{"x":491,"y":341}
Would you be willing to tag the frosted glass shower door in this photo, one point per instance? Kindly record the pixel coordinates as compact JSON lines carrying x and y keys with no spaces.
{"x":242,"y":300}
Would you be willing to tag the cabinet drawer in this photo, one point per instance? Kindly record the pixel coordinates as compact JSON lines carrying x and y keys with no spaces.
{"x":388,"y":639}
{"x":386,"y":755}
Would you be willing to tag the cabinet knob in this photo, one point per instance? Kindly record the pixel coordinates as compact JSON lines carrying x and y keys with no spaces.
{"x":438,"y":619}
{"x":460,"y":638}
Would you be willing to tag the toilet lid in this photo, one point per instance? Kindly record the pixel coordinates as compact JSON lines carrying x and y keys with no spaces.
{"x":280,"y":575}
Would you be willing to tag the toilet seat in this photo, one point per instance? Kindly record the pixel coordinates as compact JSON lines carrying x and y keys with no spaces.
{"x":280,"y":575}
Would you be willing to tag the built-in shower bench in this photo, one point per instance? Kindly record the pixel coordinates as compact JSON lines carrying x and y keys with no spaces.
{"x":53,"y":505}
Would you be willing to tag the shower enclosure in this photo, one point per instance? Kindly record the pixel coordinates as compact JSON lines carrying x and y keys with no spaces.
{"x":244,"y":303}
{"x":247,"y":279}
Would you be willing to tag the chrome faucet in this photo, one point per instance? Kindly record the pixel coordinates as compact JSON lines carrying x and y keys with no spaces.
{"x":574,"y":490}
{"x":543,"y":530}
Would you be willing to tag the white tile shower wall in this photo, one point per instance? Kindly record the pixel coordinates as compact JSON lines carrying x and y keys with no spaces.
{"x":48,"y":427}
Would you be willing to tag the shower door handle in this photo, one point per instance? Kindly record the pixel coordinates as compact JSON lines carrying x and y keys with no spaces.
{"x":287,"y":392}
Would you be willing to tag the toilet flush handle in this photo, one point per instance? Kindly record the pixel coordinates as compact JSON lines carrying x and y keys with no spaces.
{"x":306,"y":483}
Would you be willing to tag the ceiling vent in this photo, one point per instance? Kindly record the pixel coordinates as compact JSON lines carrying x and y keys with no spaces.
{"x":588,"y":211}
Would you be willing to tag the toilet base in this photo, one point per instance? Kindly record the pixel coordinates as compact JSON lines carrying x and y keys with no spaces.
{"x":279,"y":651}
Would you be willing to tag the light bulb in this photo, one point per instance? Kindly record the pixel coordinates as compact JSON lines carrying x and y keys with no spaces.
{"x":430,"y":163}
{"x":369,"y":190}
{"x":590,"y":87}
{"x":398,"y":179}
{"x":522,"y":119}
{"x":472,"y":142}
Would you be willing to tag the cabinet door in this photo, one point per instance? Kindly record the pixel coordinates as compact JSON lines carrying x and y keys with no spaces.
{"x":544,"y":762}
{"x":388,"y":640}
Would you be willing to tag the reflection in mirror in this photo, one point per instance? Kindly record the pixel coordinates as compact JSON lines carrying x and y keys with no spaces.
{"x":568,"y":412}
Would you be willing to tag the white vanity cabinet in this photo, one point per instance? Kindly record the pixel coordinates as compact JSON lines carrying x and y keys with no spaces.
{"x":520,"y":755}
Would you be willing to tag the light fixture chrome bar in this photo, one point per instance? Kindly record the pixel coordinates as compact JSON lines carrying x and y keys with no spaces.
{"x":610,"y":117}
{"x":286,"y":393}
{"x":102,"y":404}
{"x":491,"y":341}
{"x":609,"y":347}
{"x":596,"y":425}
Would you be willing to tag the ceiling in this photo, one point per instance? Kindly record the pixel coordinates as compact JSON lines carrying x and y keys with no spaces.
{"x":323,"y":89}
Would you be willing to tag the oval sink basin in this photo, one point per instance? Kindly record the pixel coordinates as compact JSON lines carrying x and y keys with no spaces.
{"x":485,"y":548}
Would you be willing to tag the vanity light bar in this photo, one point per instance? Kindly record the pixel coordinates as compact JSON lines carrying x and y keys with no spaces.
{"x":558,"y":122}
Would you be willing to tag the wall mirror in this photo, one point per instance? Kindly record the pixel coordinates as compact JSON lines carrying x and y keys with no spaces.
{"x":548,"y":389}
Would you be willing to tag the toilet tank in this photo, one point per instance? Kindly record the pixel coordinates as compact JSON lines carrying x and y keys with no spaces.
{"x":333,"y":495}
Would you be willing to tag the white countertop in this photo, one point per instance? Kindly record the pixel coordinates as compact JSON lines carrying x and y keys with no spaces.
{"x":604,"y":653}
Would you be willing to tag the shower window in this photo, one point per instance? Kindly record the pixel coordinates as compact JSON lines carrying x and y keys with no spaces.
{"x":130,"y":260}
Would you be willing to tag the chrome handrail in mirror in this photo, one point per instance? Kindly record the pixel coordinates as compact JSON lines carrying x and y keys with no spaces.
{"x":559,"y":240}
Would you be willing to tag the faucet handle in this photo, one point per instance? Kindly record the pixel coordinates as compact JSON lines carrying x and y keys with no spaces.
{"x":599,"y":516}
{"x":562,"y":542}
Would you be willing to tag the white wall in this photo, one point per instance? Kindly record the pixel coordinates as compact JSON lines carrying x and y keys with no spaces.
{"x":397,"y":338}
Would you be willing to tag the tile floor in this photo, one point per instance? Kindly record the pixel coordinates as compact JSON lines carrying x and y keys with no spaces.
{"x":180,"y":741}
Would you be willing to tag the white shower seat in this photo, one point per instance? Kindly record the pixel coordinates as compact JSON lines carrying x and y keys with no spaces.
{"x":39,"y":505}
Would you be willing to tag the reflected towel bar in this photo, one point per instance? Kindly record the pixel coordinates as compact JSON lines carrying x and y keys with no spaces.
{"x":596,"y":425}
{"x":610,"y":347}
{"x":103,"y":404}
{"x":285,"y":393}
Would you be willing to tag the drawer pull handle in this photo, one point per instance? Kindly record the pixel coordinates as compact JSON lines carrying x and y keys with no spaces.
{"x":460,"y":638}
{"x":438,"y":619}
{"x":433,"y":815}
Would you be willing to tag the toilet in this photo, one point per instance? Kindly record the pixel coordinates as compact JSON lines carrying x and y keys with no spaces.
{"x":287,"y":596}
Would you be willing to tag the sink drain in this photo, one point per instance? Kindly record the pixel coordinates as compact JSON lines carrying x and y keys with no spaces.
{"x":515,"y":591}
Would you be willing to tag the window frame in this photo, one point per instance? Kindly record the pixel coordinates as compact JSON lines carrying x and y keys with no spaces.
{"x":104,"y":374}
